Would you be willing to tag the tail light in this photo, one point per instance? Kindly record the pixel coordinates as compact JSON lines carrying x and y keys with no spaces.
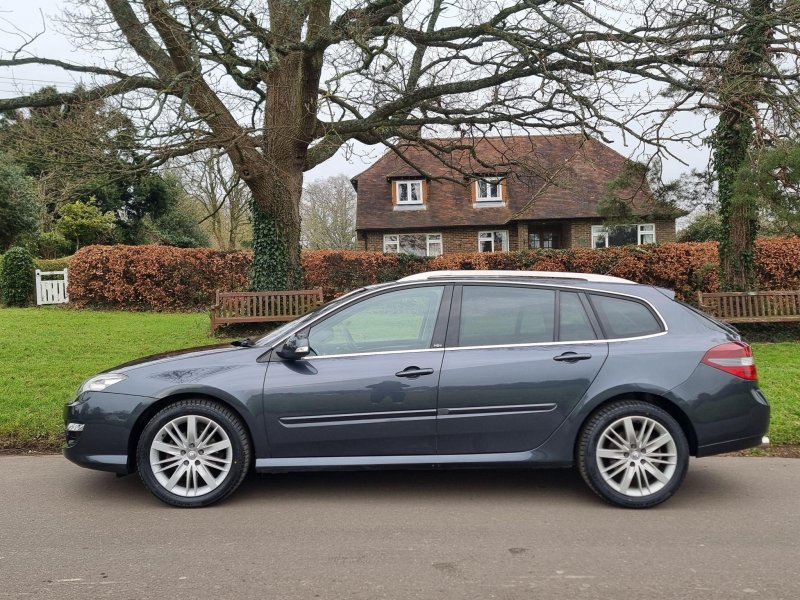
{"x":735,"y":358}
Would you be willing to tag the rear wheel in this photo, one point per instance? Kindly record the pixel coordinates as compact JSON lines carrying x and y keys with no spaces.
{"x":633,"y":454}
{"x":193,"y":453}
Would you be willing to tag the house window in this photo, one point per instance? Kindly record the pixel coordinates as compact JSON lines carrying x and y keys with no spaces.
{"x":409,"y":192}
{"x":544,"y":238}
{"x":489,"y":190}
{"x":623,"y":235}
{"x":493,"y":241}
{"x":418,"y":244}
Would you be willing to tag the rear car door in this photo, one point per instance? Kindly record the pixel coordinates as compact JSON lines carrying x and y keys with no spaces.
{"x":369,"y":387}
{"x":518,"y":359}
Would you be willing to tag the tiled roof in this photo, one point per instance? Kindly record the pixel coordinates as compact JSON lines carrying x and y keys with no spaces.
{"x":547,"y":177}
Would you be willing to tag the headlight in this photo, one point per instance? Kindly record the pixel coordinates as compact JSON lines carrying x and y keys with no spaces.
{"x":100,"y":382}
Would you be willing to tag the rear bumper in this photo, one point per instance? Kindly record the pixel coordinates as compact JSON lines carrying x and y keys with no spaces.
{"x":732,"y":446}
{"x":727,"y":413}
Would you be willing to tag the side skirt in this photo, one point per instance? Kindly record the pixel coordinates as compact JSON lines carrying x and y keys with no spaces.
{"x":529,"y":458}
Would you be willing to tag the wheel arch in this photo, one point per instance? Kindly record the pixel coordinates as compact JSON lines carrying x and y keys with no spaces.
{"x":161,"y":403}
{"x":675,"y":411}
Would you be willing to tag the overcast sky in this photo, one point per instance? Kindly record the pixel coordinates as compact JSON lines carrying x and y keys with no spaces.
{"x":26,"y":15}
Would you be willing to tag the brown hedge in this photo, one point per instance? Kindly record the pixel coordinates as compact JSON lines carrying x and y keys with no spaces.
{"x":166,"y":278}
{"x":153,"y":277}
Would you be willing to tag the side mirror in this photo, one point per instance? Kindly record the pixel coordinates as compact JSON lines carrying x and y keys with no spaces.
{"x":294,"y":348}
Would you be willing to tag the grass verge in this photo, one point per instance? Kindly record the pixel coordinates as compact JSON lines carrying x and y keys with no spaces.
{"x":779,"y":377}
{"x":45,"y":353}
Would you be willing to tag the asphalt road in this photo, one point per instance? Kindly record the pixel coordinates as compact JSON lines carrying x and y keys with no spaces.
{"x":733,"y":531}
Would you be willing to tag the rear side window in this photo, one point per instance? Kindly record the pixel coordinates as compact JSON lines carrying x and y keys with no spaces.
{"x":574,"y":324}
{"x":498,"y":315}
{"x":622,"y":318}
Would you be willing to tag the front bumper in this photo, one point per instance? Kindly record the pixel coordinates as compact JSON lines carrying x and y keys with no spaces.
{"x":108,"y":422}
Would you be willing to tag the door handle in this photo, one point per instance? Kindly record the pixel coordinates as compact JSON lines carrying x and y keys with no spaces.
{"x":413,"y":372}
{"x":571,"y":357}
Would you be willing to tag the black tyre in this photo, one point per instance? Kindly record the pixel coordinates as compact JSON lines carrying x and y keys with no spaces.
{"x":633,"y":454}
{"x":193,"y":453}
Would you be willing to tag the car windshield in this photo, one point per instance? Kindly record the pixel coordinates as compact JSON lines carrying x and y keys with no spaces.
{"x":276,"y":334}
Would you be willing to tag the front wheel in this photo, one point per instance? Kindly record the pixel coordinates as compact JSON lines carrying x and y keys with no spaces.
{"x":193,"y":453}
{"x":633,"y":454}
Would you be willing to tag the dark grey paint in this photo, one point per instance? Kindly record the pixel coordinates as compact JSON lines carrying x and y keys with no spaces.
{"x":502,"y":377}
{"x":498,"y":405}
{"x":352,"y":406}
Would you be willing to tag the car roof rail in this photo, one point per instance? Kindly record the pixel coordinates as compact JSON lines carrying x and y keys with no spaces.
{"x":502,"y":274}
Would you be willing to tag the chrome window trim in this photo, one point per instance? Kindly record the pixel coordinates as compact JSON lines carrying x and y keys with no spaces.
{"x":369,"y":292}
{"x":577,"y":343}
{"x":307,"y":358}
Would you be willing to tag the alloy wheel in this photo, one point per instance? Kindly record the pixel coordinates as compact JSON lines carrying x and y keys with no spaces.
{"x":636,"y":456}
{"x":191,"y":455}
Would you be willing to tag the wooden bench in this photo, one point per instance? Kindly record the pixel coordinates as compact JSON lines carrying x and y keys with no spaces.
{"x":752,"y":307}
{"x":262,"y":307}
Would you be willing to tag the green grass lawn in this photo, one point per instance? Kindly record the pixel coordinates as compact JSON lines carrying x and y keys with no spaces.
{"x":45,"y":353}
{"x":779,"y":376}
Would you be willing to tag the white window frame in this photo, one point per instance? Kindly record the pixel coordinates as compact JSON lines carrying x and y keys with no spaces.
{"x":409,"y":201}
{"x":434,"y":238}
{"x":482,"y":236}
{"x":496,"y":181}
{"x":642,"y":229}
{"x":430,"y":238}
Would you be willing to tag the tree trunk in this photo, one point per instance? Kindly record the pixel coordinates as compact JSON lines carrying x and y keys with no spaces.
{"x":733,"y":136}
{"x":738,"y":214}
{"x":276,"y":230}
{"x":290,"y":121}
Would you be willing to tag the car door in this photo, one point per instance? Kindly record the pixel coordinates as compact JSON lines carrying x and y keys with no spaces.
{"x":369,"y":386}
{"x":518,"y":359}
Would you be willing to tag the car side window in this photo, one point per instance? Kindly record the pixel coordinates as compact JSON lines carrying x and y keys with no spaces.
{"x":622,"y":318}
{"x":574,"y":324}
{"x":499,"y":315}
{"x":398,"y":320}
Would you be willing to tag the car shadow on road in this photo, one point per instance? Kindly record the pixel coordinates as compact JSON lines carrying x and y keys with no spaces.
{"x":452,"y":485}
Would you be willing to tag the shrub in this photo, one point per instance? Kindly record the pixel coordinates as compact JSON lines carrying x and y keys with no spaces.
{"x":17,"y":277}
{"x":706,"y":227}
{"x":52,"y":264}
{"x":154,"y":277}
{"x":52,"y":245}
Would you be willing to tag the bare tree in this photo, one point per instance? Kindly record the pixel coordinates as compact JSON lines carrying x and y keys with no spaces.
{"x":222,"y":197}
{"x":281,"y":85}
{"x":328,"y":214}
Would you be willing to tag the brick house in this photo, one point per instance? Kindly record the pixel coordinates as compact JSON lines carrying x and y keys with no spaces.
{"x":499,"y":194}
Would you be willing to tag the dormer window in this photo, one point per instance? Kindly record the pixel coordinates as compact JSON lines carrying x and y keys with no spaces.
{"x":408,"y":192}
{"x":489,"y":190}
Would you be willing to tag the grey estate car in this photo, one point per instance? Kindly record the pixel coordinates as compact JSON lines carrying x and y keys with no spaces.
{"x":446,"y":368}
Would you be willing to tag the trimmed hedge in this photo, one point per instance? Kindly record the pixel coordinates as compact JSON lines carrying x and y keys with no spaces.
{"x":17,"y":277}
{"x":165,"y":278}
{"x":52,"y":264}
{"x":153,"y":277}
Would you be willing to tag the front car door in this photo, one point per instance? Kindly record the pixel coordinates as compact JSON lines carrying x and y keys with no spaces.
{"x":518,"y":359}
{"x":369,"y":386}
